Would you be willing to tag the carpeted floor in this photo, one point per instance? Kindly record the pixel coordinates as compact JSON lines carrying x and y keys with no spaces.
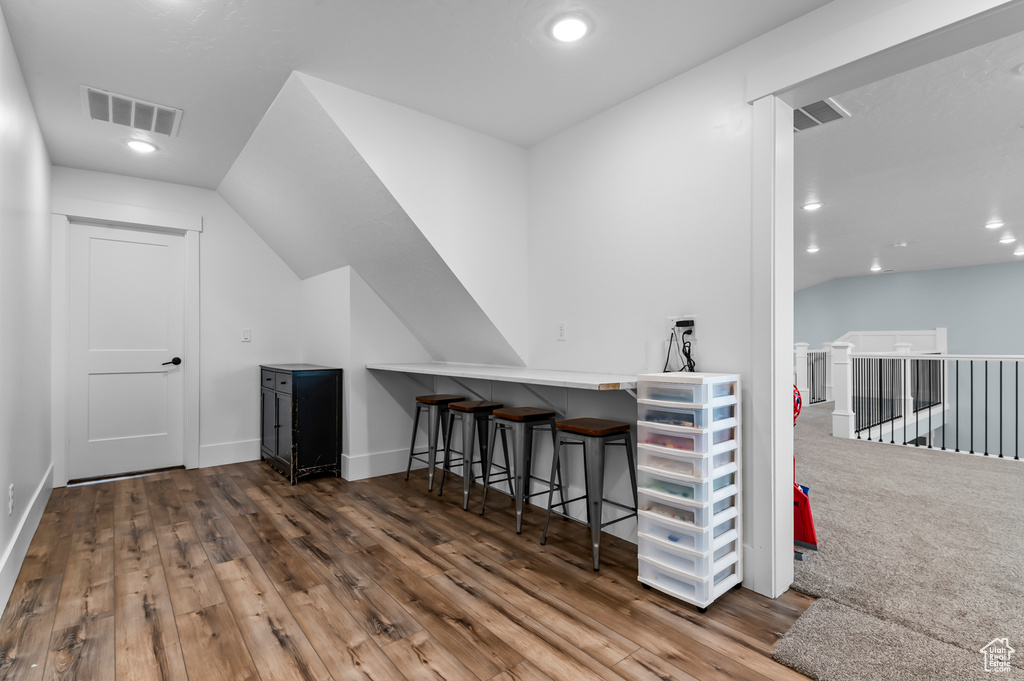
{"x":921,"y":560}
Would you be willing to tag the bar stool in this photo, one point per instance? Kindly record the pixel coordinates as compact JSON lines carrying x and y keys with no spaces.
{"x":522,"y":422}
{"x":593,"y":435}
{"x":437,"y":415}
{"x":474,"y":416}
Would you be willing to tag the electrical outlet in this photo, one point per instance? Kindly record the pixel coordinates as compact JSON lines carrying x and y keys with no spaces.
{"x":670,"y":324}
{"x":10,"y":499}
{"x":692,"y":337}
{"x":560,"y":334}
{"x":246,"y":335}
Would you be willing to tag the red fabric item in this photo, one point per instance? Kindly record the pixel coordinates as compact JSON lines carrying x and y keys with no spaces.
{"x":803,"y":521}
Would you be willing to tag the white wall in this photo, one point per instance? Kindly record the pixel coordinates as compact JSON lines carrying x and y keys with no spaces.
{"x":345,"y":324}
{"x":978,"y":306}
{"x":24,"y":316}
{"x":465,"y":191}
{"x":243,"y":285}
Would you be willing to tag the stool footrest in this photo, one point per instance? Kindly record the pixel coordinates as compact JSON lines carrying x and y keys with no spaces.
{"x":612,"y":522}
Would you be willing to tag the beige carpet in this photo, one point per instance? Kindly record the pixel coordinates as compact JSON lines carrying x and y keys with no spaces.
{"x":921,"y":560}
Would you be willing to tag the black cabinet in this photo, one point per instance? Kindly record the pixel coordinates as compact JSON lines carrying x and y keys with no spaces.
{"x":300,"y":422}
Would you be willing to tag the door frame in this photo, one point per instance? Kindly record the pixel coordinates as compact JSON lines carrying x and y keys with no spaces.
{"x":68,"y":210}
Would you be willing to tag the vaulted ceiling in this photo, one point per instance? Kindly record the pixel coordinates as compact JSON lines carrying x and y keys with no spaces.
{"x":927,"y":158}
{"x":488,"y":66}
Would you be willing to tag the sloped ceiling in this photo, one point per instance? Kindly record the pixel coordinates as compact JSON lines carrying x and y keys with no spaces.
{"x":306,"y":190}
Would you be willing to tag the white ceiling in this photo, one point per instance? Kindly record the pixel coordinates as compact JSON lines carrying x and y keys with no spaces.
{"x":928,"y":158}
{"x":486,"y":65}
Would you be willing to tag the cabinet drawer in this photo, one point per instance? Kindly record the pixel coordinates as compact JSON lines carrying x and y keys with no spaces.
{"x":283,"y":383}
{"x":268,"y":379}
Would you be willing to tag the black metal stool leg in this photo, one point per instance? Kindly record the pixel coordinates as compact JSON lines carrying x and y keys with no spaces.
{"x":447,"y":451}
{"x":555,"y":458}
{"x":594,"y":451}
{"x":468,"y":437}
{"x":632,"y":469}
{"x":412,"y":445}
{"x":492,"y":427}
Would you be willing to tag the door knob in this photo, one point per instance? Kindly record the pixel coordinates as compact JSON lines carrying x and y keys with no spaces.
{"x":176,"y":361}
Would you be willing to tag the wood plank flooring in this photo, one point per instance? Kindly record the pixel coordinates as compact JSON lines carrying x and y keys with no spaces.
{"x":231,"y":573}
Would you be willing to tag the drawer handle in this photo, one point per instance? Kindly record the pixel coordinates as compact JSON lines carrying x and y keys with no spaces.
{"x":268,"y":379}
{"x":284,"y":382}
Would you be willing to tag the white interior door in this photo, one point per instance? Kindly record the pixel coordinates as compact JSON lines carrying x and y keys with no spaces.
{"x":126,"y":321}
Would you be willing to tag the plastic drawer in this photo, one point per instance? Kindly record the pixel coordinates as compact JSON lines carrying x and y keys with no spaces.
{"x":671,"y":486}
{"x":676,"y":462}
{"x":690,"y":538}
{"x":694,"y":467}
{"x":672,"y":416}
{"x":723,"y":435}
{"x":684,"y":586}
{"x":665,"y":436}
{"x":697,"y":564}
{"x":697,"y":515}
{"x":662,"y":487}
{"x":685,"y":393}
{"x":723,"y":413}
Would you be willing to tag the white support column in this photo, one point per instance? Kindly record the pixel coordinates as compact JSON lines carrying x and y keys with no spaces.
{"x":800,"y":366}
{"x":843,"y":418}
{"x":829,"y":385}
{"x":768,"y":461}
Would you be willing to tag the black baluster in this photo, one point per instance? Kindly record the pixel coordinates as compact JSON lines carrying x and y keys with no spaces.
{"x":881,"y":412}
{"x":1000,"y":409}
{"x":916,"y":398}
{"x":971,"y":413}
{"x":930,"y":402}
{"x":944,"y":369}
{"x":956,"y":402}
{"x":986,"y":407}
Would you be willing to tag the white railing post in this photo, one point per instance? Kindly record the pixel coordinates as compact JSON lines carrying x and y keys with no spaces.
{"x":829,"y":396}
{"x":843,"y":418}
{"x":908,"y":392}
{"x":800,"y":369}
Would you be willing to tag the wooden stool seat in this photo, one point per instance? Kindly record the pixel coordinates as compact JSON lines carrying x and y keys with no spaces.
{"x":439,"y":399}
{"x":592,"y":427}
{"x":522,"y":414}
{"x":475,"y":406}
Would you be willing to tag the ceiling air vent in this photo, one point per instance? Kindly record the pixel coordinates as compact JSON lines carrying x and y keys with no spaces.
{"x":101,"y":105}
{"x":818,"y":113}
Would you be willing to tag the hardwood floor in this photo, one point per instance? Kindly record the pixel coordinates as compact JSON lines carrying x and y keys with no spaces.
{"x":231,"y":573}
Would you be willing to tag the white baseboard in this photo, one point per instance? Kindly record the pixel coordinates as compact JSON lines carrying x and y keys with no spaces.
{"x":14,"y":555}
{"x":362,"y":466}
{"x":229,"y":452}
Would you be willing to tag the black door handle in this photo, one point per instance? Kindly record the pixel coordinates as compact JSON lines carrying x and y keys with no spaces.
{"x":176,"y":361}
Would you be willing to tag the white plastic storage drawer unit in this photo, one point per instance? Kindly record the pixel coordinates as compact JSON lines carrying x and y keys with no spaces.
{"x":689,"y":484}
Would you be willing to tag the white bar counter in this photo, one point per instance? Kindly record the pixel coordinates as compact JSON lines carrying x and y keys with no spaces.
{"x":488,"y":372}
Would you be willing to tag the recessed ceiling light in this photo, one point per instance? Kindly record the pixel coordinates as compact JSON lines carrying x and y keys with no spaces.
{"x":812,"y":249}
{"x":1007,"y":239}
{"x":876,"y":268}
{"x":994,"y":225}
{"x":569,"y":28}
{"x":141,"y":146}
{"x":900,"y":244}
{"x":1019,"y":251}
{"x":813,"y":206}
